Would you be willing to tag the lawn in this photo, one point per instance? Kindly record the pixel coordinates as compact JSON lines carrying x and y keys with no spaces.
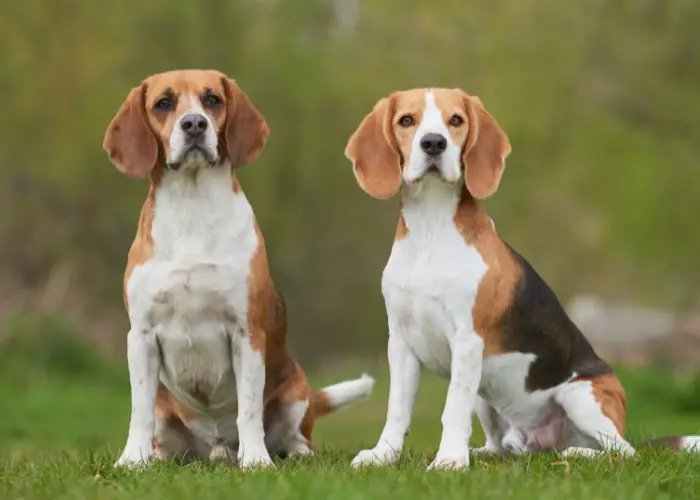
{"x":64,"y":414}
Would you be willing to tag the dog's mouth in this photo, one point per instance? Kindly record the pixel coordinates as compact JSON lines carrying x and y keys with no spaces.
{"x":432,"y":170}
{"x":194,"y":156}
{"x":435,"y":170}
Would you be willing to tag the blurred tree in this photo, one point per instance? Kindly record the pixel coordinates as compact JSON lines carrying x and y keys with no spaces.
{"x":599,"y":100}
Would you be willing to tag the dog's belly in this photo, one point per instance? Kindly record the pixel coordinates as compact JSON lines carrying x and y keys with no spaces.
{"x":198,"y":314}
{"x":534,"y":416}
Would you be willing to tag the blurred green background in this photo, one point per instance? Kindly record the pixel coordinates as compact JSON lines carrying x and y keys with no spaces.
{"x":600,"y":100}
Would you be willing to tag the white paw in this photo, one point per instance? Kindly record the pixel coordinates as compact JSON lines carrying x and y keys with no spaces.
{"x":514,"y":442}
{"x":223,"y":453}
{"x":259,"y":459}
{"x":576,"y":451}
{"x":136,"y":455}
{"x":450,"y":461}
{"x":301,"y":451}
{"x":487,"y":449}
{"x":377,"y":456}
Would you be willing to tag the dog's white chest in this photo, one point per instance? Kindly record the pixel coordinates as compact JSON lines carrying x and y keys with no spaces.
{"x":193,"y":293}
{"x":431,"y":281}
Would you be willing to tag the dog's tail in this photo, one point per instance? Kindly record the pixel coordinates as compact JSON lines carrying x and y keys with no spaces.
{"x":334,"y":397}
{"x":680,"y":443}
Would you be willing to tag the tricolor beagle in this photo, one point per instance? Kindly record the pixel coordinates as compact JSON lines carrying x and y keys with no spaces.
{"x":210,"y":374}
{"x":463,"y":303}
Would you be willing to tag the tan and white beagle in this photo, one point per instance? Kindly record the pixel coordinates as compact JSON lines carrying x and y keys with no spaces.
{"x":210,"y":374}
{"x":463,"y":303}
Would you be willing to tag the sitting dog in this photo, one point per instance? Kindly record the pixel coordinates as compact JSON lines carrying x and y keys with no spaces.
{"x":210,"y":374}
{"x":463,"y":303}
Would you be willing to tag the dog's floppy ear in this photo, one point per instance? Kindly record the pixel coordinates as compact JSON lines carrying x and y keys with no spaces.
{"x":246,"y":130}
{"x":374,"y":153}
{"x":131,"y":145}
{"x":485,"y":151}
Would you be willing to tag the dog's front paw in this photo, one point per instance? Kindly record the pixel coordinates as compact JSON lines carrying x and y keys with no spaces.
{"x":136,"y":455}
{"x":450,"y":460}
{"x":377,"y":456}
{"x":255,"y":459}
{"x":450,"y":463}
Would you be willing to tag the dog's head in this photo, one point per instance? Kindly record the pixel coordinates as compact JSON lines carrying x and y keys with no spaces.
{"x":420,"y":132}
{"x":186,"y":119}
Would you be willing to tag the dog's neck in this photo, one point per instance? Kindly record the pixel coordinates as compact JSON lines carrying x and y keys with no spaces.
{"x":433,"y":205}
{"x":199,"y":213}
{"x":197,"y":183}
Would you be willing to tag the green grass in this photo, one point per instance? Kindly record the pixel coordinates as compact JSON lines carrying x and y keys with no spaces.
{"x":64,"y":414}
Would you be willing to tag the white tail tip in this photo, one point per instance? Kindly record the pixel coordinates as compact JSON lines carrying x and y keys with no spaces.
{"x":690,"y":444}
{"x":350,"y":391}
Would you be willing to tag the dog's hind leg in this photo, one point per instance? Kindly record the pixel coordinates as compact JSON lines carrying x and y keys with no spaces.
{"x":597,"y":409}
{"x":172,"y":439}
{"x":289,"y":419}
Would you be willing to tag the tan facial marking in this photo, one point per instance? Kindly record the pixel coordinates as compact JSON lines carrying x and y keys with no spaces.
{"x":454,"y":113}
{"x":409,"y":104}
{"x":142,"y":134}
{"x":181,"y":91}
{"x":387,"y":148}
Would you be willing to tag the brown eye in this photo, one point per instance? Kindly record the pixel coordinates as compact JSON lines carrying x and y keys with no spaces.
{"x":456,"y":120}
{"x":211,"y":101}
{"x":164,"y":104}
{"x":407,"y":121}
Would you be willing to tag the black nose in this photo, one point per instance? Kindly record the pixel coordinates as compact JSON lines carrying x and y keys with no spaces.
{"x":194,"y":125}
{"x":433,"y":144}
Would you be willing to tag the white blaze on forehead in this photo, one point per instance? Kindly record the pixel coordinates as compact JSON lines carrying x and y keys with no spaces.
{"x":433,"y":122}
{"x":178,"y":138}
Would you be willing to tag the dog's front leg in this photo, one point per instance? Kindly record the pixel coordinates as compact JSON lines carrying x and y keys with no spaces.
{"x":404,"y":372}
{"x":249,"y":369}
{"x":465,"y":376}
{"x":143,"y":358}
